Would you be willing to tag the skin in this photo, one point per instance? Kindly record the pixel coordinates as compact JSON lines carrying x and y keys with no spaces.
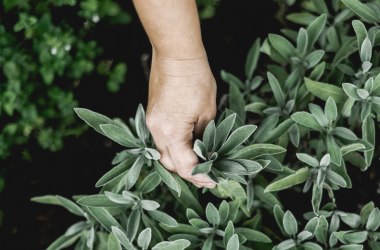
{"x":182,"y":88}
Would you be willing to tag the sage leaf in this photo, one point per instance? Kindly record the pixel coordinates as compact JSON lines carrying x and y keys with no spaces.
{"x":305,"y":158}
{"x":314,"y":58}
{"x":369,"y":134}
{"x":150,"y":183}
{"x":290,"y":223}
{"x":351,"y":91}
{"x":47,"y":199}
{"x":93,"y":119}
{"x":118,"y":135}
{"x":351,"y":219}
{"x":319,"y":115}
{"x":314,"y":29}
{"x":345,"y":133}
{"x":356,"y":237}
{"x":233,"y":243}
{"x":373,"y":222}
{"x":321,"y":230}
{"x":276,"y":89}
{"x":140,"y":124}
{"x":118,"y":198}
{"x":212,"y":214}
{"x":360,"y":30}
{"x":316,"y":198}
{"x":224,"y":211}
{"x":125,"y":242}
{"x":144,"y":238}
{"x":172,"y":245}
{"x":331,"y":111}
{"x":202,"y":168}
{"x":291,"y":180}
{"x":223,"y":130}
{"x":252,"y":59}
{"x":324,"y":90}
{"x":281,"y":45}
{"x":257,"y":150}
{"x":302,"y":41}
{"x":97,"y":200}
{"x":312,"y":246}
{"x":362,"y":10}
{"x":149,"y":205}
{"x":163,"y":218}
{"x":209,"y":136}
{"x":71,"y":206}
{"x":167,"y":177}
{"x":115,"y":172}
{"x":104,"y":218}
{"x":133,"y":224}
{"x":306,"y":119}
{"x":231,"y":79}
{"x":236,"y":103}
{"x":334,"y":150}
{"x":237,"y":137}
{"x":113,"y":242}
{"x":134,"y":172}
{"x":63,"y":242}
{"x":336,"y":178}
{"x":253,"y":235}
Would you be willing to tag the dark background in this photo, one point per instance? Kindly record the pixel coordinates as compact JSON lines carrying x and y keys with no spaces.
{"x":74,"y":170}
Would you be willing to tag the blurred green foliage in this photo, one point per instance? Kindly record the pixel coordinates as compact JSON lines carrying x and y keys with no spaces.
{"x":44,"y":53}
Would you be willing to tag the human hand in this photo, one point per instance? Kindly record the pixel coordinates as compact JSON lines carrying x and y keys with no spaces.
{"x":182,"y":100}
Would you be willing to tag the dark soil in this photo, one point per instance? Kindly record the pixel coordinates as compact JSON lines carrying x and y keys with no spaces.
{"x":75,"y":169}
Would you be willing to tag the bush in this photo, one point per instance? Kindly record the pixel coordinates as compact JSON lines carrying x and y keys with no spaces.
{"x":44,"y":54}
{"x":318,"y":111}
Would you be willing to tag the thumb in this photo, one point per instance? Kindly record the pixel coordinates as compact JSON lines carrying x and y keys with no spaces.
{"x":184,"y":160}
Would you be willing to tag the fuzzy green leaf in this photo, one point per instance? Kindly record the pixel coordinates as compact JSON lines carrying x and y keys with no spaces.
{"x":144,"y":238}
{"x":315,"y":29}
{"x":104,"y":218}
{"x":237,"y":137}
{"x":118,"y":135}
{"x":290,"y":223}
{"x":362,"y":10}
{"x":257,"y":150}
{"x":167,"y":177}
{"x":282,"y":45}
{"x":325,"y":90}
{"x":163,"y":218}
{"x":306,"y":119}
{"x":252,"y":58}
{"x":291,"y":180}
{"x":202,"y":168}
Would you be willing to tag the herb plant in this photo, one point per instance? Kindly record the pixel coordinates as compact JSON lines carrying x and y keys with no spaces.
{"x":308,"y":119}
{"x":43,"y":58}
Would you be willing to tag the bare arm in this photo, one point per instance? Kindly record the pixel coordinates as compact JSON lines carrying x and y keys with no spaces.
{"x":182,"y":89}
{"x":172,"y":26}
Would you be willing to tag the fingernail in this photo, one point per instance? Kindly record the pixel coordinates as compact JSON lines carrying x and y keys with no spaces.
{"x":198,"y":186}
{"x":210,"y":185}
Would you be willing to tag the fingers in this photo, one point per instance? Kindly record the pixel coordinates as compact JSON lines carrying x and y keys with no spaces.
{"x":174,"y":142}
{"x":201,"y":124}
{"x":184,"y":160}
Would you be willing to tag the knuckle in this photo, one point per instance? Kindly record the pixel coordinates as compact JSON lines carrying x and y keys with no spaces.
{"x":185,"y":174}
{"x":153,"y":123}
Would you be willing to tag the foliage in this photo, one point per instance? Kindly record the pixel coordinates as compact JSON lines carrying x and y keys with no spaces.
{"x":207,"y":8}
{"x":319,"y":101}
{"x":43,"y":56}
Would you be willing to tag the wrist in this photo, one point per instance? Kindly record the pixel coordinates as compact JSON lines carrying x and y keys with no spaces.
{"x":177,"y":68}
{"x":179,"y":50}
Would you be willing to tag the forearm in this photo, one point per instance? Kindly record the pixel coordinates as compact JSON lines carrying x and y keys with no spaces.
{"x":172,"y":26}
